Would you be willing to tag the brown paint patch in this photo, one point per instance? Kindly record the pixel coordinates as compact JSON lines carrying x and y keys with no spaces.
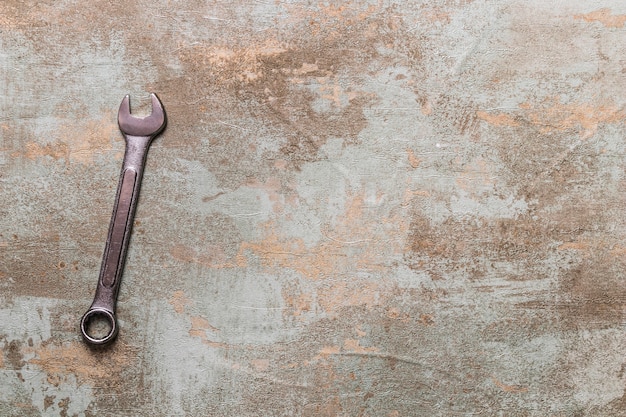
{"x":589,"y":274}
{"x":48,"y":401}
{"x":591,"y":293}
{"x":509,"y":388}
{"x":272,"y":83}
{"x":179,"y":300}
{"x":452,"y":246}
{"x":605,"y":17}
{"x":15,"y":355}
{"x":12,"y":16}
{"x":75,"y":358}
{"x":455,"y":115}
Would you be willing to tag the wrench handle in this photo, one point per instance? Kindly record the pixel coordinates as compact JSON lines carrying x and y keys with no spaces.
{"x":105,"y":299}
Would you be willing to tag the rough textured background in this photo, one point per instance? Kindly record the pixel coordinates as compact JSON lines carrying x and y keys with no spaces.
{"x":362,"y":208}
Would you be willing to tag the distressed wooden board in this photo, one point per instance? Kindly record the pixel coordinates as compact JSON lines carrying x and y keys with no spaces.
{"x":362,"y":208}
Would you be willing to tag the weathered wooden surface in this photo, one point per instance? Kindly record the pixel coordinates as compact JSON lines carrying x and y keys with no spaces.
{"x":363,"y":208}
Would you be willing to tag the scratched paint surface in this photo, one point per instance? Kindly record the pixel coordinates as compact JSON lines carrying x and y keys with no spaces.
{"x":362,"y":208}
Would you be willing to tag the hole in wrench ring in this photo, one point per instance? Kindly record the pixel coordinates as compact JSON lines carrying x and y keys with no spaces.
{"x":91,"y":315}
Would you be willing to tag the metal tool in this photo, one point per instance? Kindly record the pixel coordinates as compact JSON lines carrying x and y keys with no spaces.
{"x":138,"y":133}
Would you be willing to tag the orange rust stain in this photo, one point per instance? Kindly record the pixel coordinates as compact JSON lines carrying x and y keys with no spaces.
{"x":293,"y":253}
{"x":1,"y":358}
{"x":500,"y":119}
{"x":56,"y":151}
{"x":349,"y":346}
{"x":605,"y":17}
{"x":345,"y":13}
{"x":587,"y":247}
{"x":306,"y":68}
{"x":241,"y":63}
{"x":179,"y":300}
{"x":557,"y":116}
{"x":414,"y":161}
{"x":358,"y":241}
{"x":426,"y":108}
{"x":280,"y":164}
{"x":552,"y":115}
{"x":93,"y":140}
{"x":330,"y":350}
{"x":75,"y":358}
{"x":199,"y":328}
{"x":509,"y":388}
{"x":579,"y":245}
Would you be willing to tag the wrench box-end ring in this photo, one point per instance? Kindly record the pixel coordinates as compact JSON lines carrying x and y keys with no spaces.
{"x":93,"y":314}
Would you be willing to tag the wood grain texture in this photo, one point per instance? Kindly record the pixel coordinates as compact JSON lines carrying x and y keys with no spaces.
{"x":361,"y":208}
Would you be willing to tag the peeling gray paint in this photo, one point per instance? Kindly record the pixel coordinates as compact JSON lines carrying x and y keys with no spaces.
{"x":357,"y":209}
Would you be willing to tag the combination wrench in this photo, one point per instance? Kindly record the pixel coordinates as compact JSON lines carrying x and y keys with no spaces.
{"x":139,"y":133}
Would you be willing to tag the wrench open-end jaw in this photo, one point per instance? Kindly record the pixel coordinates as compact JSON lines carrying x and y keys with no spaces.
{"x":139,"y":133}
{"x":150,"y":125}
